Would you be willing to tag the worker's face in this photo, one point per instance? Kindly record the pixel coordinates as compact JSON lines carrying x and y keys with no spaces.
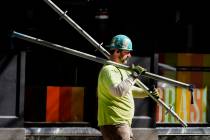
{"x":121,"y":56}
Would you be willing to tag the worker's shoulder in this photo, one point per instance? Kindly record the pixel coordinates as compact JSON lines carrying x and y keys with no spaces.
{"x":109,"y":68}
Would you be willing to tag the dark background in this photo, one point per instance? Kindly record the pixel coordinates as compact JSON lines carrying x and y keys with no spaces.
{"x":152,"y":26}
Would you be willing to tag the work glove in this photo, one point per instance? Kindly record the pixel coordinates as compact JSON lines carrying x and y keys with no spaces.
{"x":137,"y":70}
{"x":155,"y":93}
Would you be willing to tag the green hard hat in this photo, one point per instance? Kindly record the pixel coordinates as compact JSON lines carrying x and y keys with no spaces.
{"x":121,"y":42}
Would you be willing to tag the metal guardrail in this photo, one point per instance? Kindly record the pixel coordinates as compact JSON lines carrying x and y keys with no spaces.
{"x":191,"y":131}
{"x":64,"y":131}
{"x":92,"y":132}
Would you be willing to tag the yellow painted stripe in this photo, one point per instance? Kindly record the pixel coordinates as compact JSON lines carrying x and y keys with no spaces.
{"x":183,"y":103}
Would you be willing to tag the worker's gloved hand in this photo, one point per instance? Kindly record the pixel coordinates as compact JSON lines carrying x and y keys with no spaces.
{"x":155,"y":93}
{"x":137,"y":70}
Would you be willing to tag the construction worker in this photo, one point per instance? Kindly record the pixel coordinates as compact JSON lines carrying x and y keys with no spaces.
{"x":115,"y":92}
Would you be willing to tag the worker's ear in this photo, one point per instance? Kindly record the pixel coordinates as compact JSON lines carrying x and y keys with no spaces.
{"x":117,"y":51}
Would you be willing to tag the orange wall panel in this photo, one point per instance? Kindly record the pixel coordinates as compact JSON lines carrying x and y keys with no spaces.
{"x":64,"y":104}
{"x":52,"y":104}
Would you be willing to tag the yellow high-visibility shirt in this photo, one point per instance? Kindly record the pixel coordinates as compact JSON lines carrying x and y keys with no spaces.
{"x":113,"y":109}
